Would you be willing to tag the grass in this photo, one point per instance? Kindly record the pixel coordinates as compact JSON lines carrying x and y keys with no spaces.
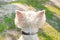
{"x":54,"y":9}
{"x":49,"y":30}
{"x":7,"y":23}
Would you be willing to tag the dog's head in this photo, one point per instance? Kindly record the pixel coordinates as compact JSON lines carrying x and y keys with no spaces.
{"x":30,"y":18}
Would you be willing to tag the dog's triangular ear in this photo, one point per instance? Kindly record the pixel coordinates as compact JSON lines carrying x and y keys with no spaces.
{"x":19,"y":14}
{"x":41,"y":13}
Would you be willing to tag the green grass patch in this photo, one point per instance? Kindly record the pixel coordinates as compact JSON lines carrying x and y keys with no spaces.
{"x":7,"y":23}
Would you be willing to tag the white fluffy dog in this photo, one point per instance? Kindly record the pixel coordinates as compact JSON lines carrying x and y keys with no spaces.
{"x":29,"y":22}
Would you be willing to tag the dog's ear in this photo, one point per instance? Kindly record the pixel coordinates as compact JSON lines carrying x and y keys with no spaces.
{"x":19,"y":14}
{"x":41,"y":13}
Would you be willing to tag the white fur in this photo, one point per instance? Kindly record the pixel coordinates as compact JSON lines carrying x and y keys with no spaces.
{"x":31,"y":23}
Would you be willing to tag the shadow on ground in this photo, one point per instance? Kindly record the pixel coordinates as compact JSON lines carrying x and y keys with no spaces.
{"x":53,"y":20}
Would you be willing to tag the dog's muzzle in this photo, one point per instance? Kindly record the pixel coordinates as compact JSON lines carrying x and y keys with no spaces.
{"x":24,"y":33}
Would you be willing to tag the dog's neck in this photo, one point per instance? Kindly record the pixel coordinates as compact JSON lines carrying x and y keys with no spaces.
{"x":29,"y":37}
{"x":29,"y":33}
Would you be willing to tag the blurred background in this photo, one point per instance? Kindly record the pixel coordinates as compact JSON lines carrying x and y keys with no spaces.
{"x":49,"y":31}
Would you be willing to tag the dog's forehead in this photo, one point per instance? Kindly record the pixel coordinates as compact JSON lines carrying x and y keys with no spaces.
{"x":30,"y":13}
